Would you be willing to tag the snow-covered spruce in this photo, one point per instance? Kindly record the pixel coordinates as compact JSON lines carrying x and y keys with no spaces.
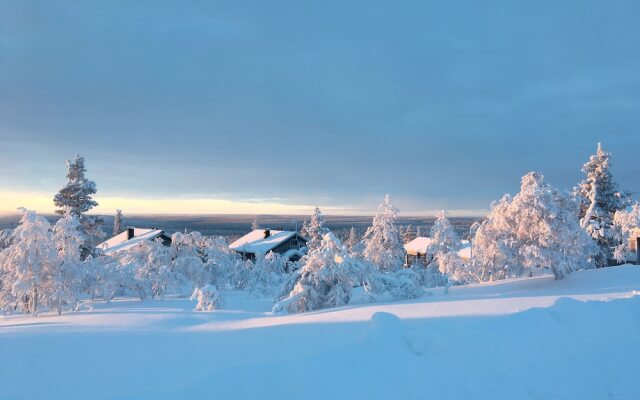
{"x":315,"y":229}
{"x":40,"y":270}
{"x":117,"y":223}
{"x":444,"y":237}
{"x":325,"y":279}
{"x":382,"y":242}
{"x":76,"y":197}
{"x":599,"y":198}
{"x":533,"y":232}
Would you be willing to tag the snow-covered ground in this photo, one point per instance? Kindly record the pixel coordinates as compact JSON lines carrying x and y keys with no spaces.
{"x":534,"y":338}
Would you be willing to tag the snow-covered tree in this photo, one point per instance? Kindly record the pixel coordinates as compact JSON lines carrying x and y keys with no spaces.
{"x":189,"y":260}
{"x":419,"y":231}
{"x":445,"y":238}
{"x":404,"y":283}
{"x":627,"y":222}
{"x":207,"y":297}
{"x":6,"y":236}
{"x":407,"y":233}
{"x":255,"y":225}
{"x":67,"y":278}
{"x":352,"y":240}
{"x":76,"y":197}
{"x":599,"y":198}
{"x":315,"y":229}
{"x":117,"y":223}
{"x":452,"y":270}
{"x":382,"y":244}
{"x":533,"y":232}
{"x":325,"y":279}
{"x":150,"y":264}
{"x":28,"y":265}
{"x":264,"y":276}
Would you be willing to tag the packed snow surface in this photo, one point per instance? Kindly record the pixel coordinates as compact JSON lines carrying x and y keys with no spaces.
{"x":535,"y":338}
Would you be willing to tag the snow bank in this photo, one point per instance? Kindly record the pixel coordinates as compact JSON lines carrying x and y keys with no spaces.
{"x":578,"y":338}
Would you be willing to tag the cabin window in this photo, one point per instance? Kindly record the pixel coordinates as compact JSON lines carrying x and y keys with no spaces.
{"x":294,"y":242}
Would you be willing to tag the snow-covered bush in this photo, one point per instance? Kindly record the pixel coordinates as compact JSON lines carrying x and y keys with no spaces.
{"x":382,"y":244}
{"x":405,"y":283}
{"x":325,"y":279}
{"x":263,"y":277}
{"x":220,"y":262}
{"x":533,"y":232}
{"x":453,"y":270}
{"x":207,"y":297}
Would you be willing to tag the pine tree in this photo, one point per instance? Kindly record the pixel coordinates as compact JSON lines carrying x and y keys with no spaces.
{"x":382,"y":245}
{"x":76,"y":197}
{"x":599,"y":198}
{"x":117,"y":223}
{"x":255,"y":225}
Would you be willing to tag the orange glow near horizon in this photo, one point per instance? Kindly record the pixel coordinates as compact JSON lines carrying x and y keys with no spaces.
{"x":43,"y":203}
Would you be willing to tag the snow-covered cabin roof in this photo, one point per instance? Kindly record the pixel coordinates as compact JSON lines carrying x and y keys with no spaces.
{"x":122,"y":241}
{"x":421,"y":245}
{"x":418,"y":245}
{"x":465,"y":250}
{"x":255,"y":242}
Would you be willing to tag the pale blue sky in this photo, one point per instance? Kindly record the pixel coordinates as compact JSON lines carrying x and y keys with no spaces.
{"x":441,"y":104}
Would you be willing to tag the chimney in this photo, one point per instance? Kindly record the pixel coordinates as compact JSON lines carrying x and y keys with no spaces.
{"x":129,"y":233}
{"x":267,"y":233}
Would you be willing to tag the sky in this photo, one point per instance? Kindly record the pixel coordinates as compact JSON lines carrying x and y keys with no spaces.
{"x":186,"y":107}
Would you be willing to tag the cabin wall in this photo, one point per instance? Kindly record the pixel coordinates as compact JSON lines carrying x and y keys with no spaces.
{"x":288,"y":245}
